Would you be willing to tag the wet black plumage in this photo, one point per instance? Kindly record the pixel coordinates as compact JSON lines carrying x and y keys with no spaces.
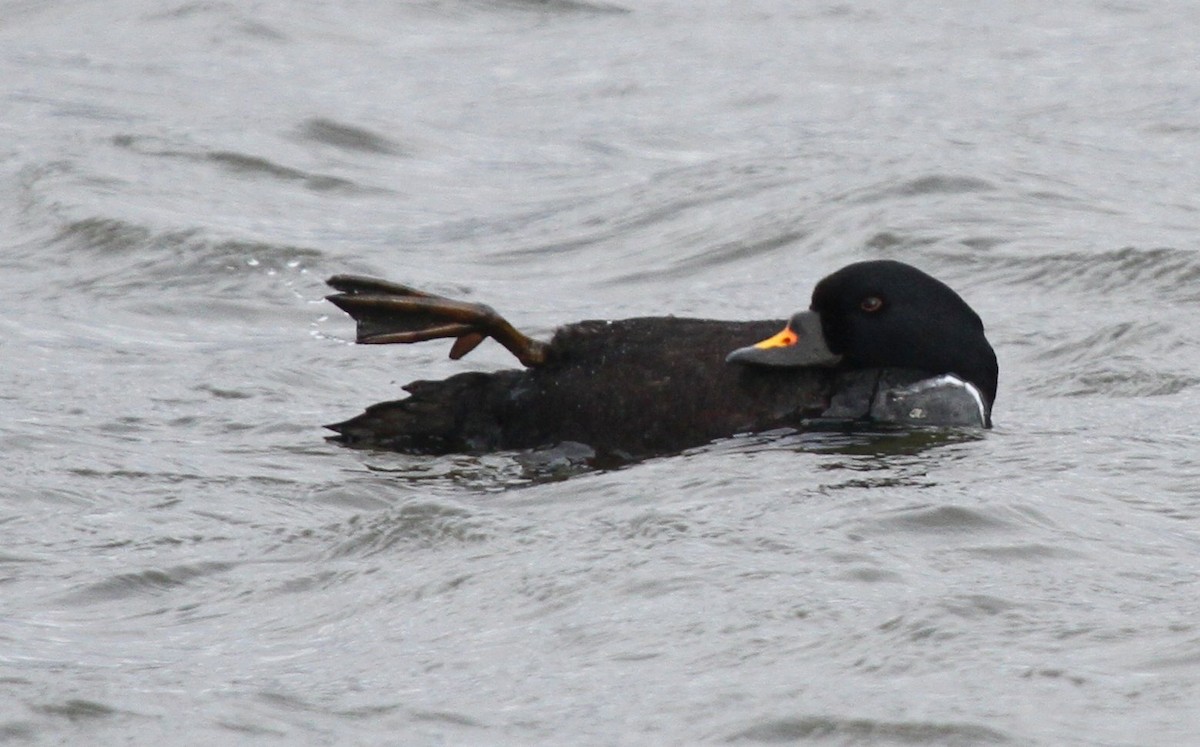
{"x":657,"y":385}
{"x":611,"y":385}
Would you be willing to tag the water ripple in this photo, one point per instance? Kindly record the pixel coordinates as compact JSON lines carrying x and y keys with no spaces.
{"x":130,"y":261}
{"x":349,"y":137}
{"x":148,"y":582}
{"x":243,"y":164}
{"x":868,"y":731}
{"x":415,"y":524}
{"x":1157,"y":275}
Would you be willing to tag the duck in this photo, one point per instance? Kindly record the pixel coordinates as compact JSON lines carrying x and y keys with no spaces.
{"x":881,"y":343}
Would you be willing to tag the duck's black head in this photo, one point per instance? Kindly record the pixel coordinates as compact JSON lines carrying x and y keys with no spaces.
{"x":885,"y":314}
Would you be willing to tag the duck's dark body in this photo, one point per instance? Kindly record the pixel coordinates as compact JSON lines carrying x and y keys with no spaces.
{"x":633,"y":387}
{"x":656,"y":385}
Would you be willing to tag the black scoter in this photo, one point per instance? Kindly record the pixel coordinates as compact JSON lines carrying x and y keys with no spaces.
{"x":882,"y":341}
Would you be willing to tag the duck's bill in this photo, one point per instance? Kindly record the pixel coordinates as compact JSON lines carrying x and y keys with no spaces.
{"x":801,"y":343}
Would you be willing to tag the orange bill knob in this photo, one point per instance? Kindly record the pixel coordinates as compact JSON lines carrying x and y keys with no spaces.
{"x":801,"y":343}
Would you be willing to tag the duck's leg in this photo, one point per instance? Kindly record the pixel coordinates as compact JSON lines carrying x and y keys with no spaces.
{"x":393,"y":313}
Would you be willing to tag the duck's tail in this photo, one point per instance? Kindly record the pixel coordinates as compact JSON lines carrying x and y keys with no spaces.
{"x":464,"y":413}
{"x":393,"y":313}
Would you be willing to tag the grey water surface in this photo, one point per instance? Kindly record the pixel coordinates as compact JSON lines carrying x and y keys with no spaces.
{"x":185,"y":560}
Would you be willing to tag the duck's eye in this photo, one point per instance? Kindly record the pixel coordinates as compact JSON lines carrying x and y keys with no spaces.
{"x":871,"y":304}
